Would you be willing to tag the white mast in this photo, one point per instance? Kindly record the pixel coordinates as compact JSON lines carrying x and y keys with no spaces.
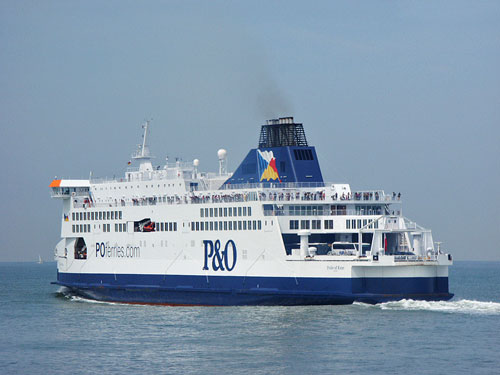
{"x":144,"y":138}
{"x":142,"y":153}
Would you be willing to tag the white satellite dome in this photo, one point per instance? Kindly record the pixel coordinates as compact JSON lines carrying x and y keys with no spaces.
{"x":196,"y":162}
{"x":222,"y":154}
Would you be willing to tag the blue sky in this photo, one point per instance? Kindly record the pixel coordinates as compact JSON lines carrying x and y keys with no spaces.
{"x":403,"y":96}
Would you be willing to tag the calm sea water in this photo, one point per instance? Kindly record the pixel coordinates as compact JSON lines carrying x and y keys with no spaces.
{"x":42,"y":331}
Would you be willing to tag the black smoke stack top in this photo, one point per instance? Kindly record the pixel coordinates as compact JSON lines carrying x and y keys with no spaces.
{"x":282,"y":132}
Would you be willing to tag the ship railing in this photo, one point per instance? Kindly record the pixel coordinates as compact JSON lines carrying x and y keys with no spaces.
{"x":319,"y":187}
{"x":325,"y":212}
{"x":190,"y":199}
{"x":415,"y":258}
{"x":271,"y":196}
{"x":343,"y":252}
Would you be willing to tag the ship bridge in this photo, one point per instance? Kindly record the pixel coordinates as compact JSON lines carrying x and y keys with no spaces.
{"x":67,"y":188}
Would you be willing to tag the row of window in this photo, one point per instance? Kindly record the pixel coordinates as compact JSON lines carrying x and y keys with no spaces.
{"x":304,"y":210}
{"x":101,"y":215}
{"x":166,"y":227}
{"x":132,"y":186}
{"x":226,"y":225}
{"x":310,"y":224}
{"x":120,"y":227}
{"x":368,"y":210}
{"x":317,"y":210}
{"x":226,"y":212}
{"x":81,"y":228}
{"x":358,"y":224}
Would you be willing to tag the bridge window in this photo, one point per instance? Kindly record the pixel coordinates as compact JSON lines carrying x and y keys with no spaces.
{"x":316,"y":224}
{"x":305,"y":224}
{"x":294,"y":224}
{"x":328,"y":224}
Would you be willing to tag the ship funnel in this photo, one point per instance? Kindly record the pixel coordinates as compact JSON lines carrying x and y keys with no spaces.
{"x":282,"y":132}
{"x":283,"y":156}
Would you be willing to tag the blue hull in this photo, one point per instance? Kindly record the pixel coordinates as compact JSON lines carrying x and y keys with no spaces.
{"x":239,"y":290}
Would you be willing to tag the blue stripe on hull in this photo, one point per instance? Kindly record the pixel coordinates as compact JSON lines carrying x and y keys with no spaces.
{"x":239,"y":290}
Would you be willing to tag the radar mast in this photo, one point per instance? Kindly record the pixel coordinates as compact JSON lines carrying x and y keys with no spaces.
{"x":142,"y":154}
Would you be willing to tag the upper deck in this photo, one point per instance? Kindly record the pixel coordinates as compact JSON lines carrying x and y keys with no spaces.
{"x":130,"y":194}
{"x":284,"y":168}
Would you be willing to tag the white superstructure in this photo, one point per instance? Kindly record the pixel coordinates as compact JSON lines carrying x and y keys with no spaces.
{"x":172,"y":234}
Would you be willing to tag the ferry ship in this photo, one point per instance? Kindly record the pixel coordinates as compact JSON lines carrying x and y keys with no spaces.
{"x":271,"y":233}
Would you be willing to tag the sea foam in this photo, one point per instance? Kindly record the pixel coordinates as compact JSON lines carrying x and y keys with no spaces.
{"x":462,"y":306}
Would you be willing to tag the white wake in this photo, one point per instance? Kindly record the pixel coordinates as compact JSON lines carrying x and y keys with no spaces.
{"x":463,"y":306}
{"x":67,"y":294}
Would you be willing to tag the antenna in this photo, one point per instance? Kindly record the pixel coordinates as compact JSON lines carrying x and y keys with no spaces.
{"x":439,"y":246}
{"x":222,"y":155}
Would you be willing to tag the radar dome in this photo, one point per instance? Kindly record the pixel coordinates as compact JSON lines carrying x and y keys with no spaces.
{"x":196,"y":162}
{"x":222,"y":154}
